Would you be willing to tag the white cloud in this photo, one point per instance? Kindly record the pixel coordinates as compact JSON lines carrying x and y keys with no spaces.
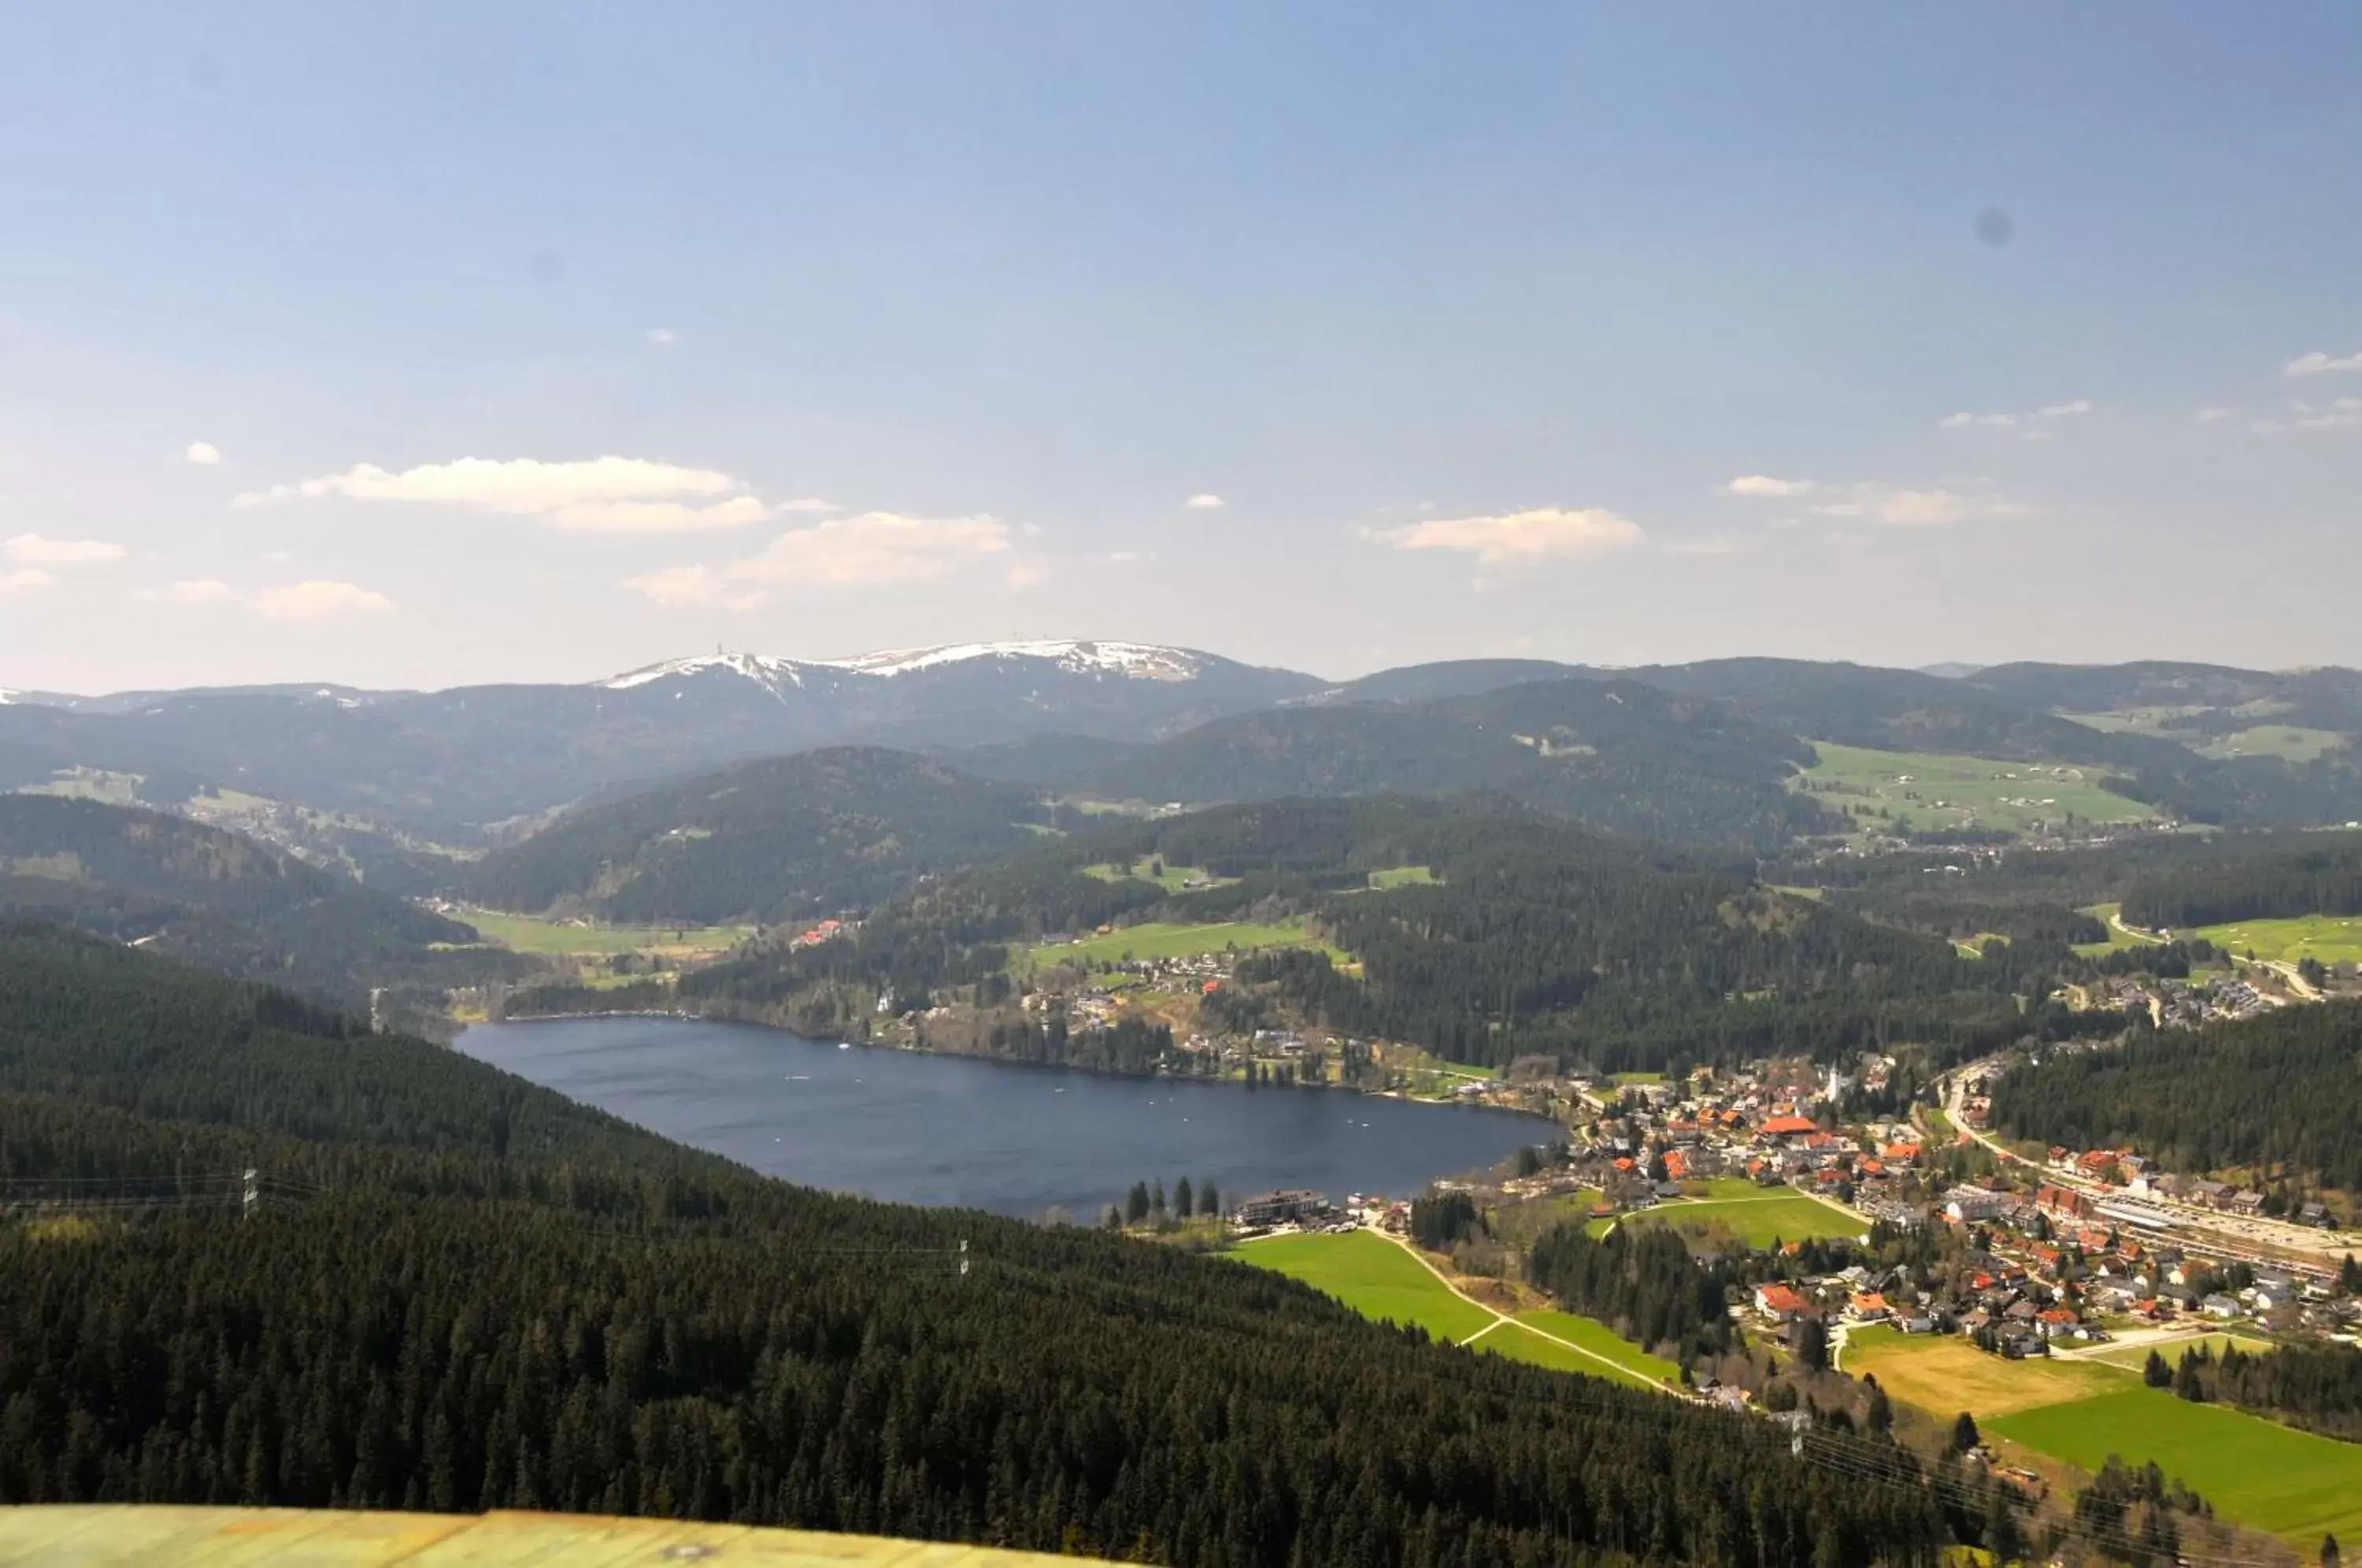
{"x":204,"y":454}
{"x":609,"y":495}
{"x":693,"y":588}
{"x":2340,"y":413}
{"x":1901,"y":507}
{"x":657,"y":516}
{"x":2216,"y":415}
{"x":208,"y":590}
{"x":307,"y":603}
{"x":2061,"y":410}
{"x":873,"y":549}
{"x":1025,"y":574}
{"x":24,"y":580}
{"x":295,"y":603}
{"x":31,"y":550}
{"x":1765,"y":485}
{"x":1536,"y":534}
{"x":662,"y":336}
{"x":1962,"y":421}
{"x":2320,"y":364}
{"x":1716,"y":547}
{"x":1204,"y":502}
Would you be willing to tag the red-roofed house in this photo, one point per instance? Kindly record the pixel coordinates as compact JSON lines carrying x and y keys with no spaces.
{"x":1790,"y":1126}
{"x":1778,"y":1302}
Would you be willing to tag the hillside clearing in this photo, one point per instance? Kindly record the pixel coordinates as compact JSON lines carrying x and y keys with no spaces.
{"x":1160,"y":939}
{"x":1929,"y":791}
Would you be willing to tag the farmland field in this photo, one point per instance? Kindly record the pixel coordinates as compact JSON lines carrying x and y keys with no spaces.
{"x":1758,"y":1220}
{"x":1371,"y":1275}
{"x":1925,"y":792}
{"x":1159,"y":939}
{"x":1402,"y":877}
{"x":2254,"y":1470}
{"x":530,"y":934}
{"x":1944,"y":1374}
{"x":2332,"y":938}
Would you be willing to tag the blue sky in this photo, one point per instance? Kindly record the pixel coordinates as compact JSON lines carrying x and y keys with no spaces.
{"x":1614,"y":334}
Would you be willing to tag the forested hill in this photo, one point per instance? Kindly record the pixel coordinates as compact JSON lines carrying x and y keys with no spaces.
{"x":786,"y":838}
{"x":215,"y":897}
{"x":1616,"y":755}
{"x":463,"y":1293}
{"x":1529,"y":936}
{"x":2322,"y":877}
{"x":2273,"y":1093}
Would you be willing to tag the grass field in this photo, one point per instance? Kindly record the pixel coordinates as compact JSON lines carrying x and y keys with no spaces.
{"x":1159,"y":939}
{"x":2290,"y":742}
{"x":1944,"y":1374}
{"x":1402,"y":877}
{"x":1373,"y":1277}
{"x":1600,"y":1339}
{"x":2118,"y":939}
{"x":2134,"y":1357}
{"x":2256,"y":1473}
{"x":1172,"y":878}
{"x":1925,"y":792}
{"x":1758,"y":1220}
{"x":529,"y":933}
{"x":2333,"y":939}
{"x":1380,"y":1280}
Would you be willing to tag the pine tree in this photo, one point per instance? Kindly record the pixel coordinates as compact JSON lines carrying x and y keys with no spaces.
{"x":1184,"y":1203}
{"x":1965,"y":1435}
{"x":1209,"y":1200}
{"x":2155,"y":1373}
{"x":1135,"y":1203}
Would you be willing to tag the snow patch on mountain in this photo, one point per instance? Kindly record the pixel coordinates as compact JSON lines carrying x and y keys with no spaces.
{"x":761,"y":669}
{"x":1137,"y":661}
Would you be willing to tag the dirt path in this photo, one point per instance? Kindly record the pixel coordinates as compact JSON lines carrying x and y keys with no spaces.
{"x":1623,"y":1374}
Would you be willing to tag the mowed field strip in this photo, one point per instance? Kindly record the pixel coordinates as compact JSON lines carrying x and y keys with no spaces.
{"x":1386,"y":1280}
{"x":2253,"y":1472}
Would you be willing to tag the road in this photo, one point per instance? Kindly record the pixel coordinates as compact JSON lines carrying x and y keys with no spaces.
{"x":1623,"y":1374}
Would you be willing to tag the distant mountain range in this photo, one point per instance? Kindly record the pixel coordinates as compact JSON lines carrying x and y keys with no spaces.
{"x":1698,"y":752}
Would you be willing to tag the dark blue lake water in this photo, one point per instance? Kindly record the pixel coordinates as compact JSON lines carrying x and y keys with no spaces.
{"x":948,"y":1131}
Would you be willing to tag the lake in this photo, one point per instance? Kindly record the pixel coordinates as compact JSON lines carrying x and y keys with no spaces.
{"x":955,"y":1131}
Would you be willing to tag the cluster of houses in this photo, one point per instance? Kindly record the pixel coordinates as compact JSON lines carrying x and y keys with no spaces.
{"x":2035,"y":1269}
{"x":1757,"y":1123}
{"x":825,"y":930}
{"x":2179,"y":1004}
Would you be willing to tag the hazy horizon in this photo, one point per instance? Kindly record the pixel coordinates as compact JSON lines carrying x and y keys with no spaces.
{"x":433,"y":347}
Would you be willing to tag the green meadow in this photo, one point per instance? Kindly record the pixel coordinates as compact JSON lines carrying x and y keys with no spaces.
{"x":1928,"y":792}
{"x":2254,"y":1472}
{"x":1160,"y":939}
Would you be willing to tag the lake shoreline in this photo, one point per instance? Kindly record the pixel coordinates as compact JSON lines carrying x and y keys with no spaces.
{"x":939,"y":1128}
{"x":681,"y":1016}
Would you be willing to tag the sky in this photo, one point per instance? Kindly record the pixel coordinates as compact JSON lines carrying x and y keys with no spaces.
{"x":425,"y":346}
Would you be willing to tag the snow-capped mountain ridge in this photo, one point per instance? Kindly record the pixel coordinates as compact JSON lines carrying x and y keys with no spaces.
{"x":761,"y":669}
{"x":1138,"y":661}
{"x":1132,"y":661}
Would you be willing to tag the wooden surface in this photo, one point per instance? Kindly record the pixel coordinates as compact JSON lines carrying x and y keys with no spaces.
{"x":90,"y":1536}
